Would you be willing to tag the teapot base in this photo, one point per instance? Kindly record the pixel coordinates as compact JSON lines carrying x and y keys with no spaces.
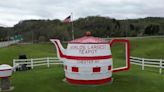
{"x":89,"y":82}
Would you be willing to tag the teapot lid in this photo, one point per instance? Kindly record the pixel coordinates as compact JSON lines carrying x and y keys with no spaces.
{"x":88,"y":38}
{"x":5,"y":66}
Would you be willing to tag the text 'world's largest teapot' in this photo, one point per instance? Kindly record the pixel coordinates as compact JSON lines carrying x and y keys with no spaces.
{"x":88,"y":60}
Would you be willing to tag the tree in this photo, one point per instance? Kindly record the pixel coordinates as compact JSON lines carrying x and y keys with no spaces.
{"x":151,"y":29}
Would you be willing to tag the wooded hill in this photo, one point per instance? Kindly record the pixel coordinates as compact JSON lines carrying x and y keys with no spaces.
{"x":43,"y":30}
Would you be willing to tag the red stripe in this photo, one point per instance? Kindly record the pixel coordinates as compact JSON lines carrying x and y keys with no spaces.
{"x":5,"y":76}
{"x":5,"y":69}
{"x":87,"y":58}
{"x":88,"y":43}
{"x":89,"y":82}
{"x":82,"y":57}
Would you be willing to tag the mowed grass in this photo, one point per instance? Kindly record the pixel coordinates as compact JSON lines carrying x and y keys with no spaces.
{"x":43,"y":79}
{"x":50,"y":80}
{"x":7,"y":54}
{"x":148,"y":48}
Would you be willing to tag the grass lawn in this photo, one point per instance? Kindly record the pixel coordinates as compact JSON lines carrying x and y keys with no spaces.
{"x":50,"y":80}
{"x":43,"y":79}
{"x":31,"y":50}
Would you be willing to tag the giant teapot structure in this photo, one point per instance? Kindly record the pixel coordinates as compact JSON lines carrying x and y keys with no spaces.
{"x":88,"y":60}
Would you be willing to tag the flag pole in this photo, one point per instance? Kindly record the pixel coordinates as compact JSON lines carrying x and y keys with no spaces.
{"x":72,"y":25}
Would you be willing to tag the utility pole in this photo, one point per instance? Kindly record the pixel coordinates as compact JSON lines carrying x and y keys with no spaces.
{"x":72,"y":26}
{"x":32,"y":36}
{"x":127,"y":22}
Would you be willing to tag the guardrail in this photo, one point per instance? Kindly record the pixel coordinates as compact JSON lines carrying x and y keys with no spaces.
{"x":36,"y":62}
{"x":157,"y":63}
{"x":133,"y":38}
{"x":7,"y":43}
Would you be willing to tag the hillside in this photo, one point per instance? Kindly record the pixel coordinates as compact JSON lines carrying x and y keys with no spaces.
{"x":43,"y":30}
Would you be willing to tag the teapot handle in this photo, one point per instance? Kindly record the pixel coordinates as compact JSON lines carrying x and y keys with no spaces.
{"x":127,"y":47}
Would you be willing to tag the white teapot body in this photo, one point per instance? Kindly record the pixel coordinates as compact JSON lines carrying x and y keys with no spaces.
{"x":89,"y":62}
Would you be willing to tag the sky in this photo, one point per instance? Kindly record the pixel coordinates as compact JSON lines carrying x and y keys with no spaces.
{"x":13,"y":11}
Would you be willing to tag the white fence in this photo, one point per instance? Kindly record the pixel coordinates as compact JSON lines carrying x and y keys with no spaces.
{"x":37,"y":62}
{"x":7,"y":43}
{"x":157,"y":63}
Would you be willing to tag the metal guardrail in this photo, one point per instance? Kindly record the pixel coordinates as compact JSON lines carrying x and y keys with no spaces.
{"x":132,"y":38}
{"x":8,"y":43}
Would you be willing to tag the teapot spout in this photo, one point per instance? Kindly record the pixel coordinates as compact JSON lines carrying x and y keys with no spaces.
{"x":59,"y":47}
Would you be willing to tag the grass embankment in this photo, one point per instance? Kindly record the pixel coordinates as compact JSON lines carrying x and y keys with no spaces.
{"x":50,"y":79}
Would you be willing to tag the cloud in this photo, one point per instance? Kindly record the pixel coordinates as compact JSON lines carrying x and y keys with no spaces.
{"x":12,"y":11}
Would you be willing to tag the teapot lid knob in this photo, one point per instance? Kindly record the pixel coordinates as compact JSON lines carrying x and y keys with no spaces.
{"x":88,"y":33}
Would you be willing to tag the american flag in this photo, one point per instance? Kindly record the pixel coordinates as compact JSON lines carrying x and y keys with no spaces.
{"x":67,"y":19}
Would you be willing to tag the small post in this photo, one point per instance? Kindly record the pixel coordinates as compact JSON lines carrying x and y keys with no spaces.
{"x":13,"y":62}
{"x":14,"y":65}
{"x":32,"y":66}
{"x":48,"y":62}
{"x":142,"y":63}
{"x":160,"y":67}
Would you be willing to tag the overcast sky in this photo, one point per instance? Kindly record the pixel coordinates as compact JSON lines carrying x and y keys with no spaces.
{"x":13,"y":11}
